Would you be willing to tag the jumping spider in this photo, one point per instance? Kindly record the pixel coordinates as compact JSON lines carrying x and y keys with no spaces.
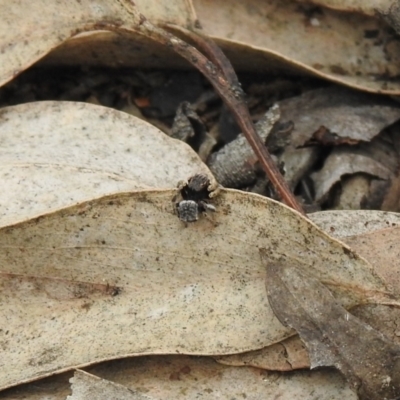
{"x":195,"y":194}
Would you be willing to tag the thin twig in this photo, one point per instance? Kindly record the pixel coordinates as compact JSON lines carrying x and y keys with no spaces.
{"x":221,"y":75}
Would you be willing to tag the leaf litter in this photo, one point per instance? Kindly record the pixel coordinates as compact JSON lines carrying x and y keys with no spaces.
{"x":86,"y":386}
{"x":166,"y":377}
{"x":108,"y":257}
{"x":334,"y":337}
{"x":55,"y":154}
{"x":343,"y":112}
{"x":303,"y":46}
{"x":368,"y":233}
{"x":99,"y":290}
{"x":296,"y":36}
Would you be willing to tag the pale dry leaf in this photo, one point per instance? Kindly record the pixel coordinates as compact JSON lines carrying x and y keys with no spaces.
{"x":268,"y":36}
{"x":124,"y":274}
{"x":173,"y":377}
{"x":255,"y":35}
{"x":334,"y":337}
{"x":352,"y":227}
{"x":327,"y":43}
{"x":345,"y":161}
{"x":368,"y":7}
{"x":113,"y":50}
{"x":375,"y":236}
{"x":343,"y":112}
{"x":381,"y":249}
{"x":200,"y":377}
{"x":55,"y":154}
{"x":287,"y":355}
{"x":29,"y":30}
{"x":120,"y":50}
{"x":179,"y":12}
{"x":342,"y":224}
{"x":290,"y":354}
{"x":354,"y":190}
{"x":362,"y":190}
{"x":87,"y":386}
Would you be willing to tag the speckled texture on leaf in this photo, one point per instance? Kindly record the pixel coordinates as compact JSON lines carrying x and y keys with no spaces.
{"x":344,"y":223}
{"x":346,"y":113}
{"x":86,"y":386}
{"x":191,"y":378}
{"x":55,"y":154}
{"x":256,"y":35}
{"x":327,"y":43}
{"x":343,"y":161}
{"x":334,"y":337}
{"x":358,"y":229}
{"x":29,"y":30}
{"x":124,"y":274}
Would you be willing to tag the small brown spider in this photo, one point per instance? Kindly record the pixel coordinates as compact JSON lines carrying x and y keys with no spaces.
{"x":195,"y":194}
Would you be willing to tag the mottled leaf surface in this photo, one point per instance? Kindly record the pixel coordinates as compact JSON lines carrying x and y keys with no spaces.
{"x":55,"y":154}
{"x":87,"y":386}
{"x":124,"y":274}
{"x":334,"y":337}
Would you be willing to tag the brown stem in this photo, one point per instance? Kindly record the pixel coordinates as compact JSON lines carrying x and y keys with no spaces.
{"x":223,"y":78}
{"x":213,"y":52}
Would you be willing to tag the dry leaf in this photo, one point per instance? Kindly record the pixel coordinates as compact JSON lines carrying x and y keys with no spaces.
{"x":201,"y":377}
{"x":381,"y":249}
{"x":287,"y":36}
{"x":124,"y":274}
{"x":368,"y":7}
{"x":86,"y":386}
{"x":173,"y":377}
{"x":362,"y":190}
{"x":42,"y":26}
{"x":342,"y":224}
{"x":287,"y":355}
{"x":180,"y":12}
{"x":345,"y":161}
{"x":346,"y":113}
{"x":255,"y":35}
{"x":374,"y":235}
{"x":55,"y":154}
{"x":31,"y":30}
{"x":335,"y":116}
{"x":358,"y":229}
{"x":353,"y":192}
{"x":116,"y":50}
{"x":382,"y":318}
{"x":334,"y":337}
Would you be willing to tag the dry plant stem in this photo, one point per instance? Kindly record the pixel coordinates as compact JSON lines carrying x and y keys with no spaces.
{"x":213,"y":52}
{"x":225,"y":81}
{"x":227,"y":87}
{"x":230,"y":91}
